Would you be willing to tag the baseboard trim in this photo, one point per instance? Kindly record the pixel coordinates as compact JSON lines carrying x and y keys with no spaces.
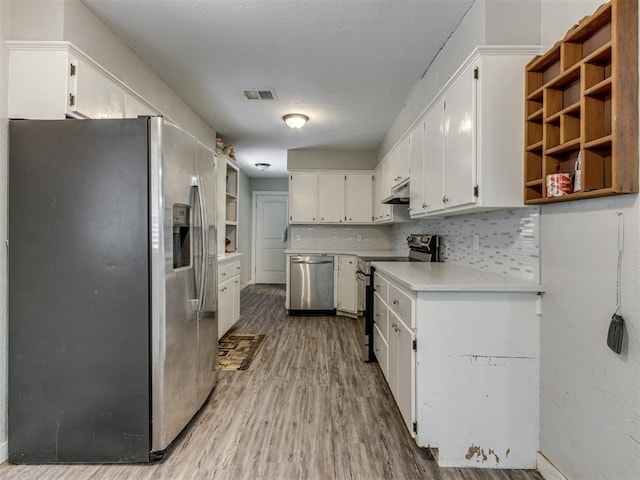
{"x":548,"y":469}
{"x":4,"y":452}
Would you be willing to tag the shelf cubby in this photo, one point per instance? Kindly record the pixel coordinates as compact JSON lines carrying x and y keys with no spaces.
{"x":586,"y":88}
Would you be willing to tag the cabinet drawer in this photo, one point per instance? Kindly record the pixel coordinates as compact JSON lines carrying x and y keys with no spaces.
{"x":225,"y":272}
{"x":401,"y":304}
{"x":381,"y":316}
{"x":380,"y":286}
{"x":236,"y":268}
{"x":381,"y":350}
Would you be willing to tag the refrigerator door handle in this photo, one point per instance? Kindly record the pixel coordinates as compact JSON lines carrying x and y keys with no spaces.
{"x":198,"y":304}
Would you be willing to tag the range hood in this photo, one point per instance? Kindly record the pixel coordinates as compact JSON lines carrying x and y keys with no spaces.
{"x":399,"y":195}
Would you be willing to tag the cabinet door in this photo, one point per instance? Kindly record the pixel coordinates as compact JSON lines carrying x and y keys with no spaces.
{"x":236,"y":299}
{"x":406,"y":373}
{"x":416,"y":166}
{"x":385,"y":182}
{"x":225,"y":307}
{"x":401,"y":161}
{"x":381,"y":350}
{"x":94,"y":96}
{"x":331,"y":197}
{"x":358,"y":195}
{"x":377,"y":194}
{"x":303,"y":197}
{"x":134,"y":108}
{"x":392,"y":356}
{"x":347,"y":288}
{"x":433,"y":158}
{"x":459,"y":145}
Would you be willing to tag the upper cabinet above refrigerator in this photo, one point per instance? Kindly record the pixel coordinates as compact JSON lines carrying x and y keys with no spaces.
{"x":55,"y":80}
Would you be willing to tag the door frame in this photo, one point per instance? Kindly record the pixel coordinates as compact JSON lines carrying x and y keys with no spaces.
{"x":254,"y":224}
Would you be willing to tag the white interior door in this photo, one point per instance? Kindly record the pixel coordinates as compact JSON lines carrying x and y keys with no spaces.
{"x":270,"y":237}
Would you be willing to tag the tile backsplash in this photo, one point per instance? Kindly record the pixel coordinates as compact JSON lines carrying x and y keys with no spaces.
{"x":508,"y":240}
{"x":373,"y":237}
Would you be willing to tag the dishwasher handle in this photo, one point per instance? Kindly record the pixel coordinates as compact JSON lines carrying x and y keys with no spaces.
{"x":302,"y":261}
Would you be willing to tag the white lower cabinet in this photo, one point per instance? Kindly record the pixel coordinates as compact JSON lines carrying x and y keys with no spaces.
{"x":467,"y":374}
{"x":347,"y":284}
{"x":228,"y":294}
{"x":381,"y":350}
{"x":393,"y":343}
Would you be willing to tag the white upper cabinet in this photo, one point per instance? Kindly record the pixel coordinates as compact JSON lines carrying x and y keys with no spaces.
{"x":358,"y":194}
{"x":335,"y":197}
{"x":416,"y":166}
{"x":303,"y":197}
{"x":134,"y":108}
{"x":459,"y":141}
{"x":430,"y":187}
{"x":331,"y":197}
{"x":92,"y":94}
{"x":399,"y":163}
{"x":55,"y":80}
{"x":473,"y":137}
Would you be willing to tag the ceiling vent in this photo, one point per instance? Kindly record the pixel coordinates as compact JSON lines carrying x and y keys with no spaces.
{"x":260,"y":94}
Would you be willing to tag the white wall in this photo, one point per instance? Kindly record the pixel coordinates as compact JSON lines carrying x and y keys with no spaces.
{"x":331,"y":159}
{"x":244,"y":225}
{"x":4,"y":54}
{"x":269,"y":184}
{"x":590,"y":397}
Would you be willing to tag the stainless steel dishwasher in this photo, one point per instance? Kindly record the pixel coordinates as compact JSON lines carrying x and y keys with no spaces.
{"x":311,"y":285}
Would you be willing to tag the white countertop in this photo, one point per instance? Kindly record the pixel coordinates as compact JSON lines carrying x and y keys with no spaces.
{"x":227,"y":257}
{"x":359,"y":253}
{"x":446,"y":277}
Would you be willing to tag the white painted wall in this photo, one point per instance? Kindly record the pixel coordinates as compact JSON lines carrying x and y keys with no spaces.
{"x":244,"y":225}
{"x":330,"y":159}
{"x":590,"y":397}
{"x":269,"y":184}
{"x":4,"y":61}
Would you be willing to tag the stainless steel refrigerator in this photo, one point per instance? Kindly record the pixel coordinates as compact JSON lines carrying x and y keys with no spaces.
{"x":112,"y":288}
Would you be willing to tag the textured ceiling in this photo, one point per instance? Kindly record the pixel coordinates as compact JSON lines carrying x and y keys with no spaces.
{"x":347,"y":64}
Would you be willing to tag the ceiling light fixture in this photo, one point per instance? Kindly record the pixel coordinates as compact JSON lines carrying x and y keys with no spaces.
{"x":263,"y":166}
{"x":295,"y":120}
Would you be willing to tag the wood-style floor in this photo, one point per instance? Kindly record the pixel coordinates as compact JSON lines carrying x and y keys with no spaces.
{"x":307,"y":408}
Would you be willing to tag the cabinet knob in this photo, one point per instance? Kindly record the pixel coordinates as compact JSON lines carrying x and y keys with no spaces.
{"x":321,"y":218}
{"x":424,"y":205}
{"x":396,"y":302}
{"x":314,"y":219}
{"x":445,"y":199}
{"x":349,"y":218}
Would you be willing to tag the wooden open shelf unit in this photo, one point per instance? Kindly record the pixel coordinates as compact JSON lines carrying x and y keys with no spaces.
{"x":581,"y":99}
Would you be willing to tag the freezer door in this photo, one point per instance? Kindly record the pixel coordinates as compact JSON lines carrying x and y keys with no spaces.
{"x":78,"y":291}
{"x":173,"y":203}
{"x":208,"y":315}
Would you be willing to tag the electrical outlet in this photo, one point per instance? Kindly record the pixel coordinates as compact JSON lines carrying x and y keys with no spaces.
{"x":358,"y":237}
{"x":298,"y":237}
{"x":476,"y":242}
